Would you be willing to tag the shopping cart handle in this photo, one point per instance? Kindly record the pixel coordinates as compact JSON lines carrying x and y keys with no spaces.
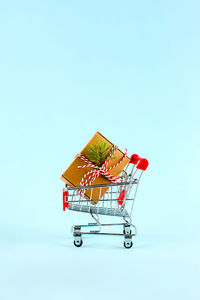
{"x":142,"y":163}
{"x":134,"y":159}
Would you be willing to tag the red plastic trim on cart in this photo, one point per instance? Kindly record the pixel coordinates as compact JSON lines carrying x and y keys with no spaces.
{"x":134,"y":159}
{"x":121,"y":197}
{"x":142,"y":163}
{"x":65,"y":199}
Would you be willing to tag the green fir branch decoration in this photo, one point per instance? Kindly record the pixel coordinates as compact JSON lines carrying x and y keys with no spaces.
{"x":98,"y":153}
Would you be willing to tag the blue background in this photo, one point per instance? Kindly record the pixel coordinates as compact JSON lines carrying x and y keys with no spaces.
{"x":129,"y":69}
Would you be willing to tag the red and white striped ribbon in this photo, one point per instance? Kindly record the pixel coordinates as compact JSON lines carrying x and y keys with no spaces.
{"x":90,"y":176}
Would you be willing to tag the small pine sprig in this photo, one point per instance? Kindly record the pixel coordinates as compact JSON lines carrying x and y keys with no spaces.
{"x":99,"y":152}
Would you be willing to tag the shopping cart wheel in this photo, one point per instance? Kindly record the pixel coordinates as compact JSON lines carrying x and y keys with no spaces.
{"x":128,"y":244}
{"x":78,"y":243}
{"x":128,"y":233}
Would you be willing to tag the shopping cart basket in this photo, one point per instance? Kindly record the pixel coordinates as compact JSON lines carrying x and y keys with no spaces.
{"x":118,"y":201}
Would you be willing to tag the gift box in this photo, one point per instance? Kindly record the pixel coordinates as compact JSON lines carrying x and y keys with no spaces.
{"x":74,"y":174}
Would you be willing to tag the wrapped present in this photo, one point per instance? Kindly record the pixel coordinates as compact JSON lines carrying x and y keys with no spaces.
{"x":91,"y":167}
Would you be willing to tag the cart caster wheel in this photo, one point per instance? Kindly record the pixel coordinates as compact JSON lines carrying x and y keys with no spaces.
{"x":124,"y":231}
{"x":128,"y":245}
{"x":78,"y":243}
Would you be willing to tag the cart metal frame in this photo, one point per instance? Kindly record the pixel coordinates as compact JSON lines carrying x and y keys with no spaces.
{"x":111,"y":204}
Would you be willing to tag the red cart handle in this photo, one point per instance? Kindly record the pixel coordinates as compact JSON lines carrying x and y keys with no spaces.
{"x":142,"y":163}
{"x":65,"y":199}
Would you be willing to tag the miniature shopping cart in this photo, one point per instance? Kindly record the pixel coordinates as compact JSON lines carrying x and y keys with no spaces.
{"x":117,"y":201}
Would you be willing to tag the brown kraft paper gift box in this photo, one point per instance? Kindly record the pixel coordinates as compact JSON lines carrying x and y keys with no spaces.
{"x":72,"y":175}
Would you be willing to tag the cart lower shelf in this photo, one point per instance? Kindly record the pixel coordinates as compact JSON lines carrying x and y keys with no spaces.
{"x":99,"y":210}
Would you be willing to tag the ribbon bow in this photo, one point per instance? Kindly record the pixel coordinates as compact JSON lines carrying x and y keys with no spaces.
{"x":90,"y":176}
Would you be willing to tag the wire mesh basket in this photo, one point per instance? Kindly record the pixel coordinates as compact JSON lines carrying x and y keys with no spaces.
{"x":117,"y":201}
